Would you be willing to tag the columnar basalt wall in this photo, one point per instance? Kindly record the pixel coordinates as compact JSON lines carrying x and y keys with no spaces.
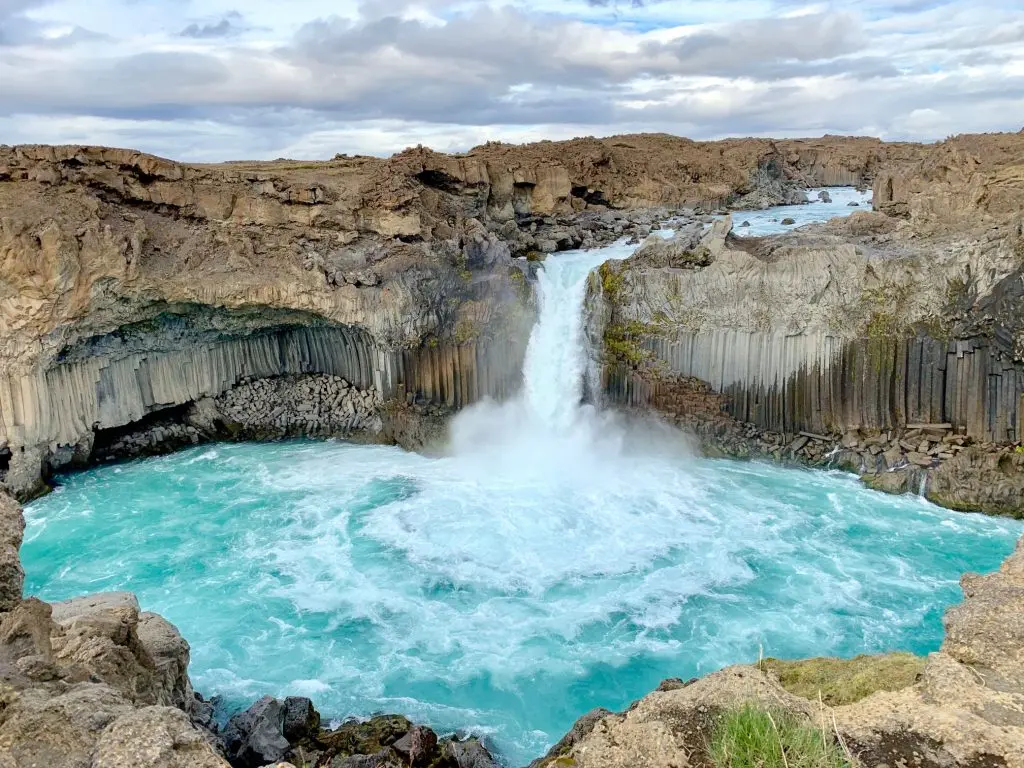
{"x":66,"y":404}
{"x":830,"y":385}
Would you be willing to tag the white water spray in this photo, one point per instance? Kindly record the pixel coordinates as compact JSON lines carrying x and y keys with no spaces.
{"x":546,"y":431}
{"x":556,"y":359}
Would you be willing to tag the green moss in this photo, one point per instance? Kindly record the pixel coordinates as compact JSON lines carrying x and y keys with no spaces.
{"x":612,"y":279}
{"x":466,"y":330}
{"x":622,"y":342}
{"x":1019,"y":449}
{"x":755,"y":737}
{"x":844,"y":681}
{"x":535,"y":256}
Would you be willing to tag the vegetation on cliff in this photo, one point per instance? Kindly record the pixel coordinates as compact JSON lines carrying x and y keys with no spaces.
{"x":753,"y":736}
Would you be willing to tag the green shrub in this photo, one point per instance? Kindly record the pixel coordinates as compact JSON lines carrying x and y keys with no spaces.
{"x":755,"y":737}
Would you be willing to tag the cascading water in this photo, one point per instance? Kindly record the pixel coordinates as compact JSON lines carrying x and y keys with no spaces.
{"x":559,"y":559}
{"x":556,"y":358}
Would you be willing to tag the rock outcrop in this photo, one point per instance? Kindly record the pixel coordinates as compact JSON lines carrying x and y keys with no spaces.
{"x":964,"y":710}
{"x":875,"y":323}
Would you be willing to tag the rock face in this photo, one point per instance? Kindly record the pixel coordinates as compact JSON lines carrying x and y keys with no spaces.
{"x":132,"y":287}
{"x":875,"y":323}
{"x":964,"y":710}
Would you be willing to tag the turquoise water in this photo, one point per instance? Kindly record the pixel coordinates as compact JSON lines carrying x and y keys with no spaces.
{"x":500,"y":591}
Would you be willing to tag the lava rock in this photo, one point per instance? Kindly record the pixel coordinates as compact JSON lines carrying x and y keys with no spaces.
{"x":468,"y":754}
{"x":418,"y":746}
{"x":256,"y":737}
{"x":301,"y":720}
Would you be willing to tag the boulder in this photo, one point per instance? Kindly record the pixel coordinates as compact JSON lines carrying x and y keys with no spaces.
{"x":788,"y":221}
{"x":417,"y":747}
{"x":684,"y":250}
{"x":255,"y":737}
{"x":469,"y":753}
{"x":888,"y":482}
{"x":824,"y":196}
{"x":301,"y":720}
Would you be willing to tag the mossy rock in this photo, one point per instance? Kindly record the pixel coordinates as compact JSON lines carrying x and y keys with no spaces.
{"x":366,"y":738}
{"x":612,"y":279}
{"x":844,"y":681}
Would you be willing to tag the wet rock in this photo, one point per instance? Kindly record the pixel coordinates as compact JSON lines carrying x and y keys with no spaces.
{"x":787,"y":221}
{"x":468,"y":753}
{"x":853,"y":204}
{"x":366,"y":737}
{"x":417,"y":747}
{"x":745,"y":224}
{"x":255,"y":737}
{"x":824,"y":196}
{"x":301,"y":720}
{"x":888,"y":482}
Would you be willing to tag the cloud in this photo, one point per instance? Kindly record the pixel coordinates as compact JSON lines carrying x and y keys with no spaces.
{"x":383,"y":72}
{"x":230,"y":25}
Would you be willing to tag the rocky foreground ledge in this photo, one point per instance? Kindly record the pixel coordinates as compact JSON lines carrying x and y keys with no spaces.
{"x":95,"y":682}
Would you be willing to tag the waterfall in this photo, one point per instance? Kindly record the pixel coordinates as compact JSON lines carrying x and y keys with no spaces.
{"x":556,"y":358}
{"x":546,"y":428}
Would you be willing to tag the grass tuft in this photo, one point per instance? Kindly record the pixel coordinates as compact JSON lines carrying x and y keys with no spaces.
{"x":755,"y":737}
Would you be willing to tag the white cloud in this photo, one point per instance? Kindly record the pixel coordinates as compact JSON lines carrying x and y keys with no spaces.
{"x":218,"y":79}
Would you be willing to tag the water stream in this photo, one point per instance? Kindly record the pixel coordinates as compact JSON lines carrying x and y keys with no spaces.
{"x":558,"y":559}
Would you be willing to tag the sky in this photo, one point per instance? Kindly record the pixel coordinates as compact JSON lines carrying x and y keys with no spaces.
{"x":209,"y":80}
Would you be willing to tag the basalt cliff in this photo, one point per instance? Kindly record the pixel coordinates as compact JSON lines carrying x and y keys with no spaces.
{"x":890,"y":343}
{"x":137,"y":294}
